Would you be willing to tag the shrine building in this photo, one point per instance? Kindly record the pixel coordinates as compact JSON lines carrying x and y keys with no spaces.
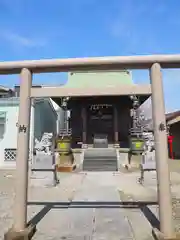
{"x":105,"y":117}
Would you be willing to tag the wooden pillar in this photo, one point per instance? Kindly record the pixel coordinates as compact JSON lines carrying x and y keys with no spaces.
{"x":116,"y":137}
{"x":84,"y":124}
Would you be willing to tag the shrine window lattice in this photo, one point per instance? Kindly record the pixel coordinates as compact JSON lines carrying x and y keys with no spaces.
{"x":10,"y":154}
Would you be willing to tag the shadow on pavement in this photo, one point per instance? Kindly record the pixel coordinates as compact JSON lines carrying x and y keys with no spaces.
{"x":143,"y":206}
{"x":150,"y":217}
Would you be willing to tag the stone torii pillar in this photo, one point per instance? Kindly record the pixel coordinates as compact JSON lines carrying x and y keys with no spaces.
{"x":161,"y":153}
{"x":20,"y":229}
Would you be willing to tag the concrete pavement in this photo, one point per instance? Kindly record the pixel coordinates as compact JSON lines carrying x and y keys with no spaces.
{"x":77,"y":221}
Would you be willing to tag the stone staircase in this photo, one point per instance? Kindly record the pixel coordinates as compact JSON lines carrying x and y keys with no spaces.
{"x":102,"y":159}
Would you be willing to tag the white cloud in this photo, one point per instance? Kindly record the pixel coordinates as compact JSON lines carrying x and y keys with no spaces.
{"x":128,"y":25}
{"x":17,"y":40}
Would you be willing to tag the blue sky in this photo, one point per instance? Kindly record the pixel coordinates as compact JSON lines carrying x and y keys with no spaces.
{"x":34,"y":29}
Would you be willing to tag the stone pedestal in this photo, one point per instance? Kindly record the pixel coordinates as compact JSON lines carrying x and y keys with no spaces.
{"x":43,"y":171}
{"x":66,"y":163}
{"x":160,"y":236}
{"x":26,"y":234}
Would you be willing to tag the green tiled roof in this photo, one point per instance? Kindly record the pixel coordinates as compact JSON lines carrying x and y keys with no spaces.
{"x":98,"y":79}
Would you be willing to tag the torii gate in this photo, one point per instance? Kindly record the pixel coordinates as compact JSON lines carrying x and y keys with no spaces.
{"x":26,"y":70}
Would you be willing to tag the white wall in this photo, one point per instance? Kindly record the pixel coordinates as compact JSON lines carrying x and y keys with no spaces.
{"x":10,"y":135}
{"x":43,"y":119}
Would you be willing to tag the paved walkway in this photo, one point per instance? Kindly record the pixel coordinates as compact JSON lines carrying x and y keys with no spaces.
{"x":90,"y":222}
{"x":82,"y":219}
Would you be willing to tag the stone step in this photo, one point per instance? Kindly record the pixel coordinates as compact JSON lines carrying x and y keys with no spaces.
{"x":89,"y":163}
{"x":100,"y":156}
{"x":100,"y":151}
{"x":100,"y":160}
{"x":100,"y":166}
{"x":100,"y":169}
{"x":110,"y":167}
